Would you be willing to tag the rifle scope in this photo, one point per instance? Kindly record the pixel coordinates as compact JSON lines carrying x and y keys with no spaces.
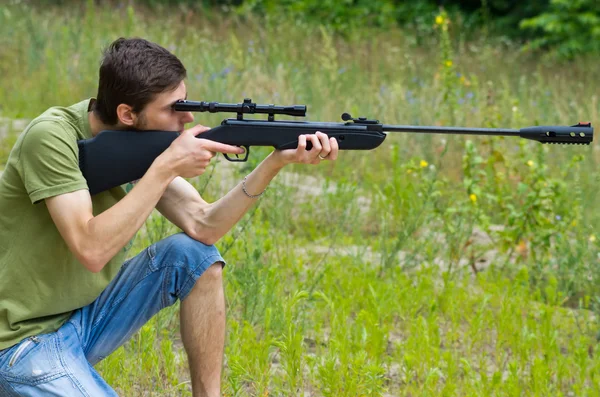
{"x":240,"y":108}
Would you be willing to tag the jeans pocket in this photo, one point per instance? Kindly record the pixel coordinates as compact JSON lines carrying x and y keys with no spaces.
{"x":34,"y":360}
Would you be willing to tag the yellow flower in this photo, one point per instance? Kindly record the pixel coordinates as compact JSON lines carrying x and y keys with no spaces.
{"x":592,"y":238}
{"x":530,"y":163}
{"x":424,"y":163}
{"x":473,"y":197}
{"x":448,"y":63}
{"x":439,"y":20}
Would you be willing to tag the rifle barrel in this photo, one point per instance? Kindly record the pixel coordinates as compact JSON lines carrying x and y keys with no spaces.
{"x":450,"y":130}
{"x":579,"y":134}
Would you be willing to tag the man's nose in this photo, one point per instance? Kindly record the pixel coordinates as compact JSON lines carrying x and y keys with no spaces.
{"x":188,"y":117}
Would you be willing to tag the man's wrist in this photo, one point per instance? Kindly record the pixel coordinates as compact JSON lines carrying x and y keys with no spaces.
{"x":276,"y":160}
{"x":163,"y":169}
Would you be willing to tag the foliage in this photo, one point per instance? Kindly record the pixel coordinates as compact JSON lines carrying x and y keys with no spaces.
{"x":568,"y":27}
{"x":338,"y":15}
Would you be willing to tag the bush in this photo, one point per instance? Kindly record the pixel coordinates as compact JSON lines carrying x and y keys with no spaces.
{"x":568,"y":28}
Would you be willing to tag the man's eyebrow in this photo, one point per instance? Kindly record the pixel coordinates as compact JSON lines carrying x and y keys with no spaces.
{"x":174,"y":102}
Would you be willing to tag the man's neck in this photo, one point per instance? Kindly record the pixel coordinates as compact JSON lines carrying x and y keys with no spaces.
{"x":96,"y":125}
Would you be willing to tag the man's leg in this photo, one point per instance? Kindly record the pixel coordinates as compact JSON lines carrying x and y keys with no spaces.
{"x":177,"y":267}
{"x":203,"y":331}
{"x":51,"y":364}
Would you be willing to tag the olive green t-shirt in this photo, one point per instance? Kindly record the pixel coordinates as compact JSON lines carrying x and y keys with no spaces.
{"x":41,"y":281}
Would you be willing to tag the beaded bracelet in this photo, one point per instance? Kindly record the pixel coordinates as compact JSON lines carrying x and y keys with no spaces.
{"x":248,"y":194}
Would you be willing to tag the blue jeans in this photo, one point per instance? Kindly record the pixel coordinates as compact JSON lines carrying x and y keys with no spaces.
{"x":61,"y":363}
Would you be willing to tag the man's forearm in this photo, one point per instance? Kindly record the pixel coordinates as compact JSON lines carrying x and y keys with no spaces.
{"x":224,"y":213}
{"x":110,"y":231}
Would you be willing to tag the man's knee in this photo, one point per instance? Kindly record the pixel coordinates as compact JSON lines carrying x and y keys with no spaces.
{"x":180,"y":249}
{"x":212,"y":276}
{"x":186,"y":262}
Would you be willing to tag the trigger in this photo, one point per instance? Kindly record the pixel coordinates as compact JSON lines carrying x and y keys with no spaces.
{"x":237,"y":156}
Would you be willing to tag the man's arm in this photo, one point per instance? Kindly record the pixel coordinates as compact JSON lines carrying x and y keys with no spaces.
{"x":182,"y":205}
{"x":207,"y":223}
{"x":95,"y":240}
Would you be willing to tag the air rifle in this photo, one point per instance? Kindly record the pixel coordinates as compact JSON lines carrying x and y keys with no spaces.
{"x":113,"y":158}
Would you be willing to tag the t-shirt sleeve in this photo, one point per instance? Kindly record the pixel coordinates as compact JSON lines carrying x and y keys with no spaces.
{"x":49,"y":161}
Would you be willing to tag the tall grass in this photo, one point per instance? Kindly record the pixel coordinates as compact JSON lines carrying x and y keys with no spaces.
{"x":433,"y":265}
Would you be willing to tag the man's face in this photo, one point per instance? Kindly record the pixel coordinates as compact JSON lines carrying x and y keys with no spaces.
{"x":159,"y":114}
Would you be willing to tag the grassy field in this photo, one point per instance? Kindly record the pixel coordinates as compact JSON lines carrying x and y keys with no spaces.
{"x":431,"y":266}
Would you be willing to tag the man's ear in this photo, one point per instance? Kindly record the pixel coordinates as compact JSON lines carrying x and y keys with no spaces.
{"x":126,"y":114}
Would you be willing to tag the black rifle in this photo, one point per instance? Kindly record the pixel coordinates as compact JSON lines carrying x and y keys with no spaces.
{"x":113,"y":158}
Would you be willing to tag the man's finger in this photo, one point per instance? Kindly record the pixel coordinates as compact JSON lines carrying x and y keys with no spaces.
{"x":334,"y":148}
{"x":221,"y":147}
{"x":301,"y":142}
{"x":326,"y":147}
{"x":197,"y":129}
{"x":316,"y":144}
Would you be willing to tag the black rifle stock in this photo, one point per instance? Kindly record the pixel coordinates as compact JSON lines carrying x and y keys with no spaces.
{"x":113,"y":158}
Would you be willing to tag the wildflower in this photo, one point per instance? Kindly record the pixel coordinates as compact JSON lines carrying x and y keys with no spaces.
{"x":424,"y":164}
{"x":448,"y":63}
{"x":439,"y":20}
{"x":530,"y":163}
{"x":226,"y":71}
{"x":522,"y":248}
{"x":515,"y":109}
{"x":473,"y":197}
{"x":592,"y":238}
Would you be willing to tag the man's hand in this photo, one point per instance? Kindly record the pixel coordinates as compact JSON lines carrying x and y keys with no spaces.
{"x":188,"y":156}
{"x":323,"y":148}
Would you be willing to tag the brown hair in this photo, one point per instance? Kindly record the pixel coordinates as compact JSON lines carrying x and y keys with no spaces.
{"x":132,"y":72}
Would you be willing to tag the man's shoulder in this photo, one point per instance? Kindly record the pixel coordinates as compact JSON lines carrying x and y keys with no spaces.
{"x":43,"y":132}
{"x":58,"y":122}
{"x":46,"y":129}
{"x":60,"y":118}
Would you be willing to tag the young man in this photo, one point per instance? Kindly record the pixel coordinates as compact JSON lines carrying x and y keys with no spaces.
{"x":67,"y":297}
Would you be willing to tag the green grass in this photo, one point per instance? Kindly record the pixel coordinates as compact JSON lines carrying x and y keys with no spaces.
{"x":375,"y":284}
